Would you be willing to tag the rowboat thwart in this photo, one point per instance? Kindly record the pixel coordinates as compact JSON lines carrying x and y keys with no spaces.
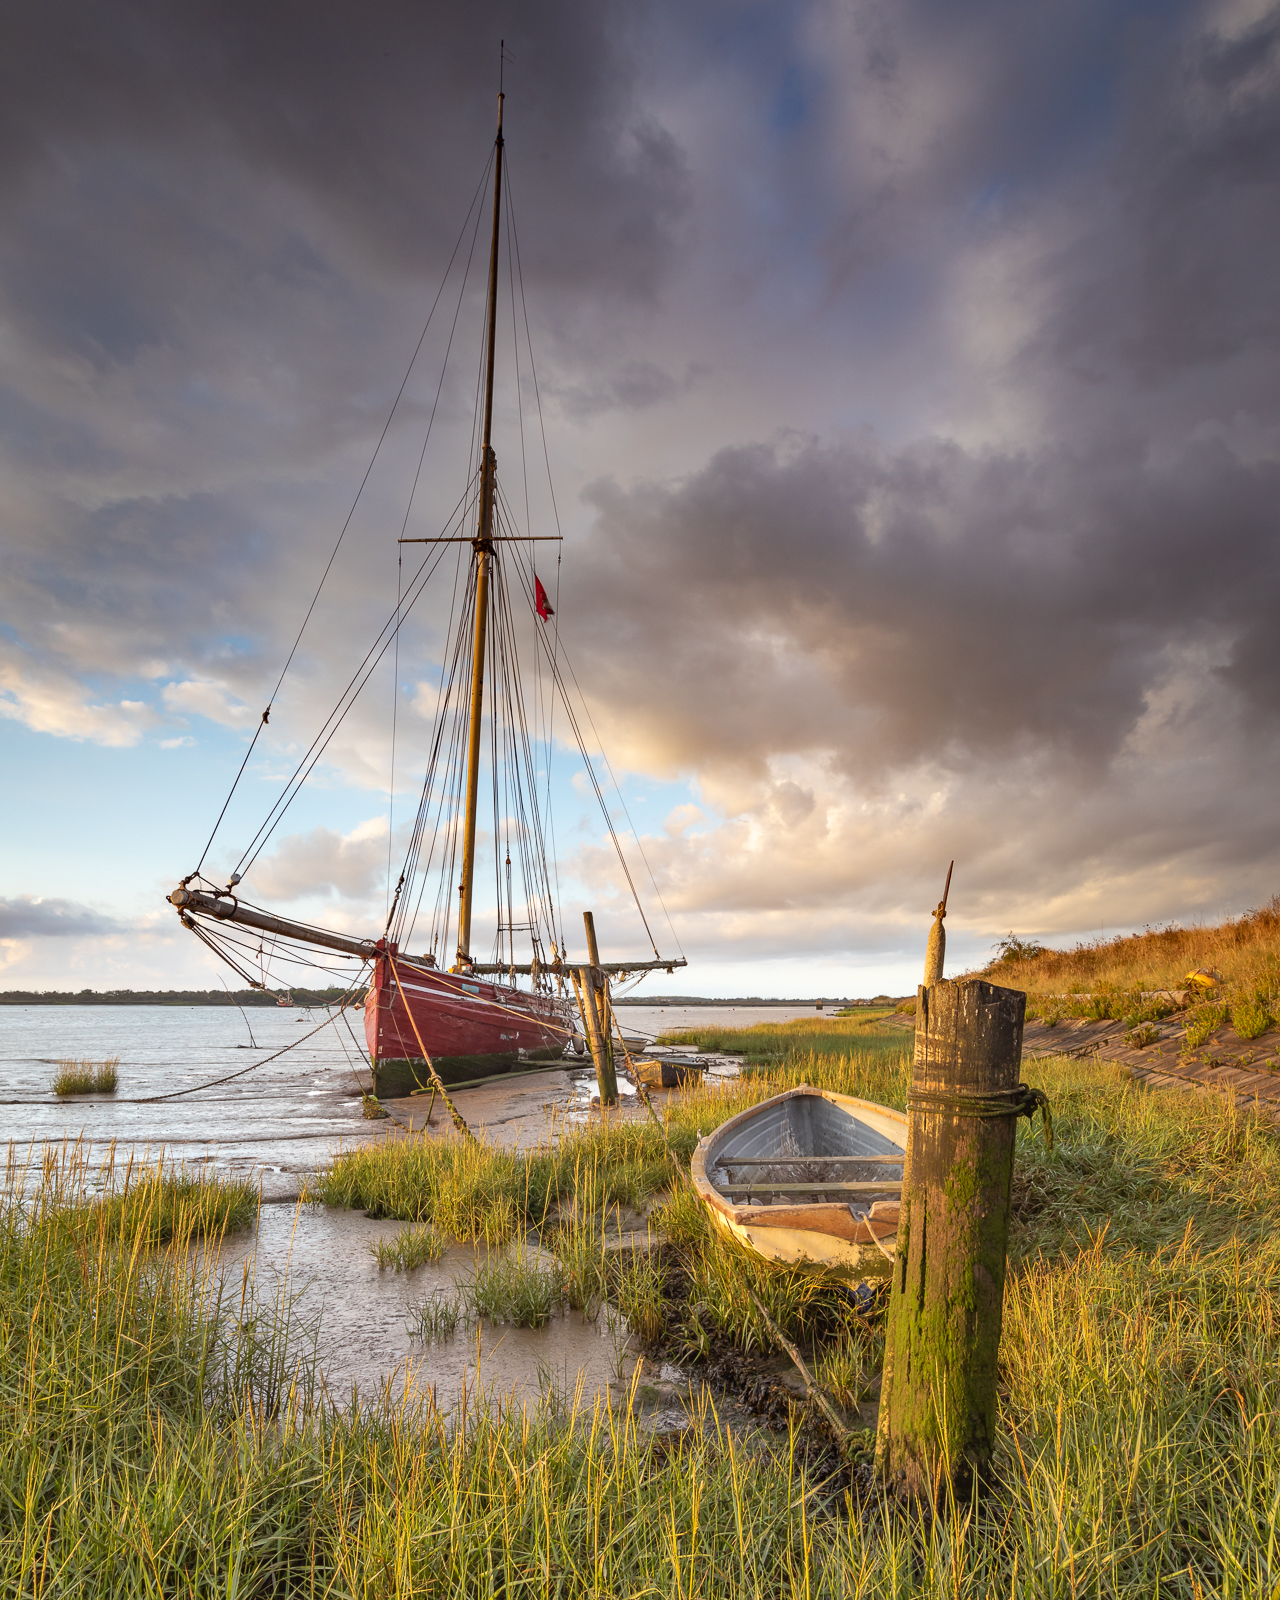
{"x":808,"y":1178}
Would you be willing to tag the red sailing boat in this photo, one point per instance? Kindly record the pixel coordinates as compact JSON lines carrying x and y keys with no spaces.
{"x":474,"y":1018}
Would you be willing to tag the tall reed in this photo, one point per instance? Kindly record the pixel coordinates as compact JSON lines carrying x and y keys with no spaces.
{"x":86,"y":1077}
{"x":1139,"y":1436}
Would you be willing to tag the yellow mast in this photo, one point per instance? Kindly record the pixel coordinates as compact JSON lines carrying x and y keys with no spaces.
{"x":483,"y":546}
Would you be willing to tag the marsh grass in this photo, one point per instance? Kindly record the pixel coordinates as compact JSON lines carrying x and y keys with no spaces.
{"x":440,"y":1316}
{"x":86,"y":1077}
{"x":1251,"y":1017}
{"x":849,"y":1366}
{"x":837,"y":1037}
{"x":1244,"y":950}
{"x":1202,"y":1021}
{"x":639,"y":1290}
{"x":410,"y":1248}
{"x":478,"y":1191}
{"x":516,"y":1288}
{"x":1138,"y":1444}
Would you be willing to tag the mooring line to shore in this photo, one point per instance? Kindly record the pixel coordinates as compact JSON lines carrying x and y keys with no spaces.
{"x":216,"y":1083}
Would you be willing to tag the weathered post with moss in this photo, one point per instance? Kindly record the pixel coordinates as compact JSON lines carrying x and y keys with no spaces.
{"x":938,"y":1398}
{"x":594,"y":1001}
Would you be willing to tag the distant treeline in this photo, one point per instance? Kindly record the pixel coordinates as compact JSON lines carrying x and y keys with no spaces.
{"x":169,"y":997}
{"x":741,"y":1000}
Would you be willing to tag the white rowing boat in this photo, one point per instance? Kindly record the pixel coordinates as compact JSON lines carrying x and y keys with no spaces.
{"x":809,"y":1177}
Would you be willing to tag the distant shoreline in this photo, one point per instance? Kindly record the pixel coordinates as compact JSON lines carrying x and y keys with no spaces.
{"x":171,"y":997}
{"x":319,"y":997}
{"x":827,"y":1001}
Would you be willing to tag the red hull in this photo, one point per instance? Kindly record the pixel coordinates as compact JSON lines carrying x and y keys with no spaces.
{"x":471,"y":1028}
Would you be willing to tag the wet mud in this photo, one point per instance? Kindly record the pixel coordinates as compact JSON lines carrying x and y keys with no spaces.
{"x":362,"y":1317}
{"x":227,"y":1109}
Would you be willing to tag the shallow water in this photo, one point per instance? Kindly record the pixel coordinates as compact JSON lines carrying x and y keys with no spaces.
{"x":273,"y":1123}
{"x":322,"y":1257}
{"x":280,"y":1119}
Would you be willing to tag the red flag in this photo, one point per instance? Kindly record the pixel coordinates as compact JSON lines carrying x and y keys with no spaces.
{"x":540,"y":596}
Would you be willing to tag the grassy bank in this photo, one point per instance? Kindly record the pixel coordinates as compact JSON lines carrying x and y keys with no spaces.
{"x":478,"y":1191}
{"x":1243,"y":953}
{"x":823,"y":1039}
{"x":150,"y":1445}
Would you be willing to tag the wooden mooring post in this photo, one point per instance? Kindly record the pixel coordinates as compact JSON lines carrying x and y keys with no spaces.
{"x":594,"y":1003}
{"x":936,"y":1430}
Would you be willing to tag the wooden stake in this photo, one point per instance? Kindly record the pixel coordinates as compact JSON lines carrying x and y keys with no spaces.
{"x":935,"y":954}
{"x":938,"y":1395}
{"x":593,"y":951}
{"x":584,"y":982}
{"x":596,"y":989}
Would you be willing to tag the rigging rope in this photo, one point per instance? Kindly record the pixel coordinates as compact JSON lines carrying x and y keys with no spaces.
{"x":521,"y":817}
{"x":350,"y":514}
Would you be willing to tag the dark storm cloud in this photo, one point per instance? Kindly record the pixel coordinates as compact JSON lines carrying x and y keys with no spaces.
{"x":923,"y":362}
{"x":956,"y":603}
{"x":931,"y":604}
{"x":363,"y":107}
{"x":28,"y":917}
{"x":221,"y":223}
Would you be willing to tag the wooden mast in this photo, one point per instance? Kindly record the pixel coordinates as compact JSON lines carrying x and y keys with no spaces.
{"x":483,"y":546}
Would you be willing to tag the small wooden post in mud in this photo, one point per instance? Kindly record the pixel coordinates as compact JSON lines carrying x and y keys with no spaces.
{"x":595,"y":1006}
{"x":937,"y":1419}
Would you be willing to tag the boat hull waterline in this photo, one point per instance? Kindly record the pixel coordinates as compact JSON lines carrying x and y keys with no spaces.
{"x":823,"y":1189}
{"x":470,"y":1027}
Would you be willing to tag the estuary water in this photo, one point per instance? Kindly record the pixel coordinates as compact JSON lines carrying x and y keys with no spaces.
{"x":234,"y":1106}
{"x":278,"y":1117}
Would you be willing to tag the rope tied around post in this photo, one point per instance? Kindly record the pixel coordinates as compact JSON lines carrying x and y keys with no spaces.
{"x":1024,"y":1101}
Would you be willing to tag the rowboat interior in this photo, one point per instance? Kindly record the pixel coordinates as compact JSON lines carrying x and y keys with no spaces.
{"x":807,"y":1146}
{"x":809,"y":1178}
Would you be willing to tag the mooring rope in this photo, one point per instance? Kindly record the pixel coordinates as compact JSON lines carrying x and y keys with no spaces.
{"x":1024,"y":1101}
{"x":459,"y":1121}
{"x":215,"y":1083}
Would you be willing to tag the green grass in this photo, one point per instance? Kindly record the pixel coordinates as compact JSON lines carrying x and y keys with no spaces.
{"x":842,"y":1036}
{"x":1251,"y":1017}
{"x":154,"y":1439}
{"x":515,"y":1288}
{"x":1202,"y":1021}
{"x":410,"y":1248}
{"x":86,"y":1077}
{"x":440,"y":1316}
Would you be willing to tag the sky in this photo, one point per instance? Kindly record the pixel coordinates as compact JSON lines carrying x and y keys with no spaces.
{"x":910,"y":383}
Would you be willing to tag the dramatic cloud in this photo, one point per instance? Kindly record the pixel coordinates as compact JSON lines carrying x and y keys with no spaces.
{"x":31,"y":917}
{"x":911,"y":376}
{"x":324,"y":863}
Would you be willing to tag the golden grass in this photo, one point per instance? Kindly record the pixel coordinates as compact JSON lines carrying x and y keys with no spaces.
{"x":1244,"y":950}
{"x":151,"y":1443}
{"x":86,"y":1077}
